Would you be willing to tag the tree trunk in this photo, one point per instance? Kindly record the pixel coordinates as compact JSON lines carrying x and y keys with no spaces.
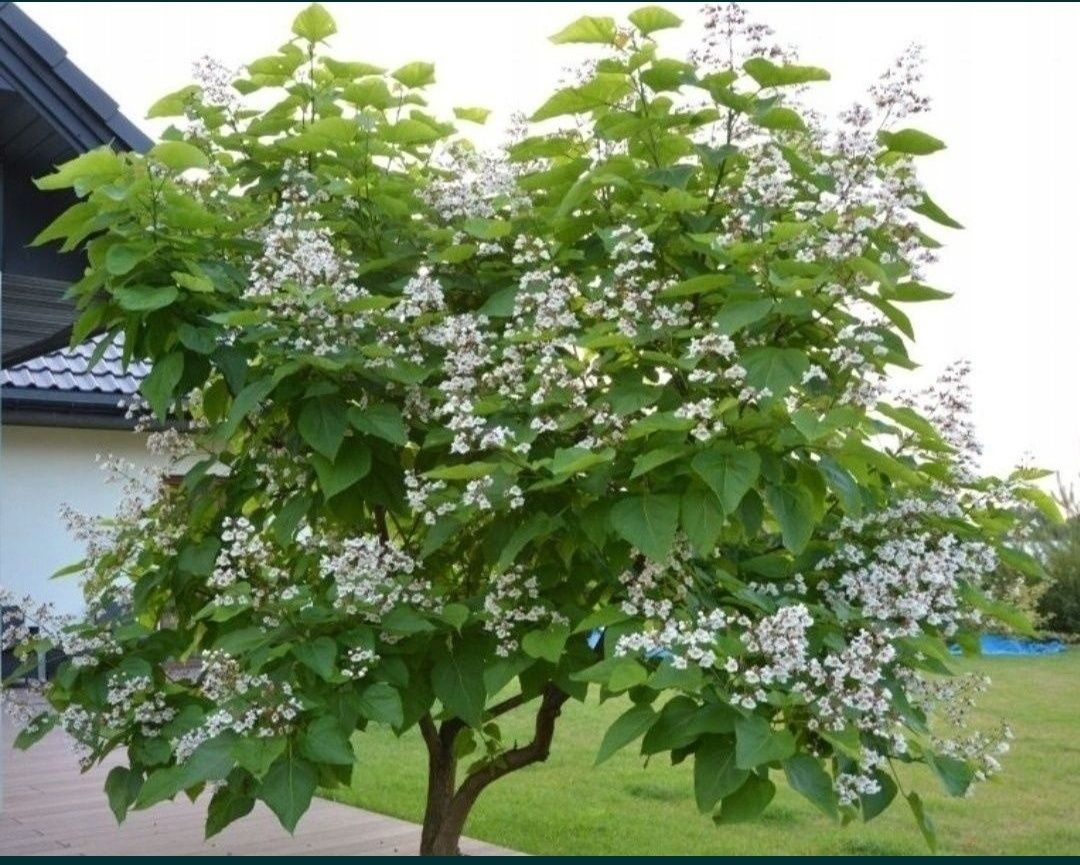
{"x":448,"y":808}
{"x":442,"y":780}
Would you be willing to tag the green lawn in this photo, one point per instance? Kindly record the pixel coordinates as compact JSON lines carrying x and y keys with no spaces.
{"x":566,"y":806}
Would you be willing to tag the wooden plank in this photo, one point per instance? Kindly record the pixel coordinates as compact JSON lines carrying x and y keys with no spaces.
{"x":50,"y":808}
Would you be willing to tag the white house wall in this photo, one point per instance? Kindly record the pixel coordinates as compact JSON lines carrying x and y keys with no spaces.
{"x":42,"y":468}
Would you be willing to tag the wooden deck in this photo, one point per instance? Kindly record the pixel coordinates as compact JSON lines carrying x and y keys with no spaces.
{"x":48,"y":808}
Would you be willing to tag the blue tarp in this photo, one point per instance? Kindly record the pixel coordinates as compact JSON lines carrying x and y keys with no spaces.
{"x":996,"y":644}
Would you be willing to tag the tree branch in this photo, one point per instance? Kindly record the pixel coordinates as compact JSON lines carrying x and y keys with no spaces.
{"x":508,"y":705}
{"x":517,"y":758}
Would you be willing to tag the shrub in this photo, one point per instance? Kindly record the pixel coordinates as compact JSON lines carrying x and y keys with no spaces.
{"x":1059,"y":604}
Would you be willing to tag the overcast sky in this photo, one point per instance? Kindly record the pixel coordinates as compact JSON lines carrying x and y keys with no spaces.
{"x":1005,"y":83}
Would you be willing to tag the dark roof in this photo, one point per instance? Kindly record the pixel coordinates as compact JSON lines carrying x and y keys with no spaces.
{"x":37,"y":317}
{"x":50,"y":112}
{"x":35,"y":66}
{"x":70,"y":370}
{"x":63,"y":387}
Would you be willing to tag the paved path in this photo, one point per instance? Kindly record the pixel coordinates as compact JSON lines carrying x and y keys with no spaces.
{"x":48,"y":808}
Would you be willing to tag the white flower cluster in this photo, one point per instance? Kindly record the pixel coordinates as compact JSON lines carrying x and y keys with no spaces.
{"x":301,"y":277}
{"x":135,"y":698}
{"x":473,"y":185}
{"x":359,"y":662}
{"x":371,"y":577}
{"x":246,"y":556}
{"x":245,"y":703}
{"x":215,"y":80}
{"x":628,"y":296}
{"x":513,"y":599}
{"x":909,"y":577}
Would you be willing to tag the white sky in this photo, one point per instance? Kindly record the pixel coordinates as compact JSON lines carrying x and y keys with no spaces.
{"x":1005,"y":82}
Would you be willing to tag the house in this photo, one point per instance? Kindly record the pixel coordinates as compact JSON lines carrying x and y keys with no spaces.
{"x":57,"y":409}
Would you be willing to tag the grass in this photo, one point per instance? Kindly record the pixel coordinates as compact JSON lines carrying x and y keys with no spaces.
{"x":568,"y":806}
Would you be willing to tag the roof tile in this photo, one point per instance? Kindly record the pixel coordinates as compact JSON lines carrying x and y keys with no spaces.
{"x":69,"y":370}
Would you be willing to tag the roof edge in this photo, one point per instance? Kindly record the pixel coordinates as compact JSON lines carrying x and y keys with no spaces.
{"x":38,"y":68}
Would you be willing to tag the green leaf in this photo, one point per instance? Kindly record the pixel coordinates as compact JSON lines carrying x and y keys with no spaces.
{"x":748,"y":802}
{"x":656,"y":458}
{"x":458,"y":681}
{"x":695,"y":285}
{"x":144,"y":298}
{"x":806,"y":776}
{"x":780,"y":118}
{"x":842,"y":484}
{"x":955,"y":775}
{"x":913,"y":292}
{"x":287,"y":789}
{"x":715,"y":772}
{"x":381,"y":703}
{"x":775,"y":368}
{"x":324,"y":742}
{"x":588,"y":29}
{"x":875,"y":803}
{"x":648,"y":522}
{"x":159,"y":385}
{"x":322,"y":423}
{"x":605,"y":89}
{"x":179,"y":155}
{"x":227,"y":805}
{"x":352,"y":464}
{"x":369,"y":93}
{"x":257,"y":754}
{"x":630,"y":725}
{"x":318,"y":655}
{"x":314,"y":24}
{"x":931,"y":210}
{"x":756,"y":742}
{"x":729,"y":472}
{"x":737,"y":314}
{"x":405,"y":620}
{"x":649,"y":19}
{"x":570,"y":461}
{"x":682,"y":721}
{"x":473,"y":115}
{"x":122,"y":257}
{"x":534,"y":526}
{"x":1044,"y":502}
{"x":243,"y":640}
{"x":415,"y":75}
{"x":768,"y":74}
{"x":174,"y":104}
{"x":462,"y":471}
{"x":211,"y":761}
{"x":701,"y":518}
{"x":35,"y":730}
{"x":246,"y":401}
{"x":923,"y":821}
{"x":618,"y":673}
{"x":911,"y":141}
{"x":288,"y":518}
{"x":121,"y":787}
{"x":793,"y":507}
{"x":1000,"y":610}
{"x":547,"y":644}
{"x":98,"y":166}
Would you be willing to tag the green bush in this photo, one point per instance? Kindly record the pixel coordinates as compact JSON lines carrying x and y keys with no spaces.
{"x":1059,"y":606}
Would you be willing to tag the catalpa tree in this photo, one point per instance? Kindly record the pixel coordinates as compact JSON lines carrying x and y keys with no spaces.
{"x":465,"y":433}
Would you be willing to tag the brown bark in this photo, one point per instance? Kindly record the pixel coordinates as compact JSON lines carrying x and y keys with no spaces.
{"x":448,"y":806}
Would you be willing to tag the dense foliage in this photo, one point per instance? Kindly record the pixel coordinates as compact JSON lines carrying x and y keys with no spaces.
{"x":468,"y":431}
{"x":1059,"y":602}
